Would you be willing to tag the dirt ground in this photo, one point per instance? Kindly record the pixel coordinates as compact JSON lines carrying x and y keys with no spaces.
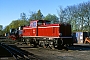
{"x":74,"y":53}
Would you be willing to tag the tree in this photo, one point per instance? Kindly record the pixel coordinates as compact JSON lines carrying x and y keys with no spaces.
{"x":1,"y":27}
{"x":18,"y":23}
{"x":61,"y":14}
{"x":7,"y":29}
{"x":39,"y":15}
{"x":23,"y":16}
{"x":36,"y":16}
{"x":15,"y":24}
{"x":52,"y":18}
{"x":33,"y":16}
{"x":77,"y":15}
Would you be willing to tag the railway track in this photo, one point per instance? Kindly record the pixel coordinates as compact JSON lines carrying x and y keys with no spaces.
{"x":3,"y":37}
{"x":15,"y":52}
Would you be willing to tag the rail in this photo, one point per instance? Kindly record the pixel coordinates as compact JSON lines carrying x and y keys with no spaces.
{"x":15,"y":52}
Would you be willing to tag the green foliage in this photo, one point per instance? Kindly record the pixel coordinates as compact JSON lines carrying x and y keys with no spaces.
{"x":53,"y":18}
{"x":23,"y":16}
{"x":1,"y":27}
{"x":39,"y":15}
{"x":36,"y":16}
{"x":15,"y":24}
{"x":6,"y":30}
{"x":77,"y":15}
{"x":32,"y":16}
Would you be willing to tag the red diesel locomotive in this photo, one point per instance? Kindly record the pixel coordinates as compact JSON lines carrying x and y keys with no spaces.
{"x":43,"y":33}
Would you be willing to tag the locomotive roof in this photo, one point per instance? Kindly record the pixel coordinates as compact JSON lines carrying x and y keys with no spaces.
{"x":39,"y":20}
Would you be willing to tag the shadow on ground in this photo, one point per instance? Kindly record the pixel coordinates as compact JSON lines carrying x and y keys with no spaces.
{"x":79,"y":47}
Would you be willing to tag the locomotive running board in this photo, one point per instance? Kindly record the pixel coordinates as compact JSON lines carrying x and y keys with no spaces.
{"x":65,"y":37}
{"x":46,"y":37}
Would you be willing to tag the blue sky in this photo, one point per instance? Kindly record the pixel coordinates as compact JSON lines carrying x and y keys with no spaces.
{"x":11,"y":9}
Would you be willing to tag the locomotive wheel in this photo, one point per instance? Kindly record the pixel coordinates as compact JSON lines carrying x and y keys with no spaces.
{"x":46,"y":44}
{"x":35,"y":42}
{"x":42,"y":44}
{"x":55,"y":43}
{"x":62,"y":45}
{"x":51,"y":45}
{"x":58,"y":43}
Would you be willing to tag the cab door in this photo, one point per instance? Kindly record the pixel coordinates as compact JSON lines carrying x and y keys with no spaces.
{"x":33,"y":25}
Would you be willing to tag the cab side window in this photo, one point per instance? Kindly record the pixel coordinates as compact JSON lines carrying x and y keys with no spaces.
{"x":40,"y":22}
{"x":33,"y":24}
{"x":48,"y":22}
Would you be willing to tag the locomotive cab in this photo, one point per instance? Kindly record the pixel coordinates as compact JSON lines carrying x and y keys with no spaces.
{"x":36,"y":23}
{"x":16,"y":33}
{"x":12,"y":31}
{"x":43,"y":22}
{"x":13,"y":34}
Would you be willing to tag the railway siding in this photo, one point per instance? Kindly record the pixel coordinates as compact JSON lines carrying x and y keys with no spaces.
{"x":7,"y":51}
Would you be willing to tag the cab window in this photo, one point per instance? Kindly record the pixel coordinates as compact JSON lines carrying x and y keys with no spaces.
{"x":40,"y":22}
{"x":48,"y":22}
{"x":33,"y":24}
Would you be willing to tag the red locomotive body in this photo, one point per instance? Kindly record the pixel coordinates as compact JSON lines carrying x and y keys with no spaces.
{"x":42,"y":28}
{"x":55,"y":34}
{"x":42,"y":33}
